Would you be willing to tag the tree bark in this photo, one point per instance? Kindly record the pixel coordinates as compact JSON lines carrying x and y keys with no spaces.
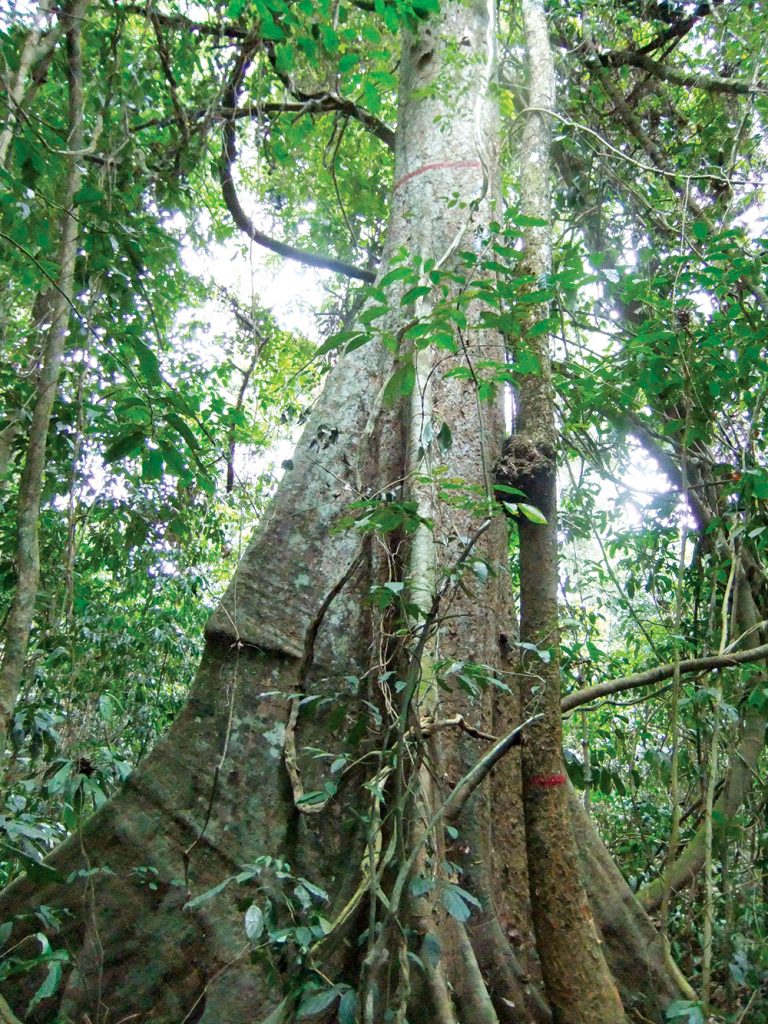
{"x":38,"y":46}
{"x":299,"y":660}
{"x":577,"y":980}
{"x":214,"y":795}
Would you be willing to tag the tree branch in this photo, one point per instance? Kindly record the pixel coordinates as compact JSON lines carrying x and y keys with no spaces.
{"x":324,"y":103}
{"x":183,"y":24}
{"x":244,"y":222}
{"x":659,"y":673}
{"x":709,"y":83}
{"x":678,"y":29}
{"x":232,"y":200}
{"x":464,"y":789}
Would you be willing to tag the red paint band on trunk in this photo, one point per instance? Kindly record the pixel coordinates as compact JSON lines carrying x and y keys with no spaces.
{"x":440,"y":166}
{"x":547,"y":781}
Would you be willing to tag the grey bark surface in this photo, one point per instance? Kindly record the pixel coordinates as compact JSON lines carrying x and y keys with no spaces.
{"x":633,"y":946}
{"x":214,"y":794}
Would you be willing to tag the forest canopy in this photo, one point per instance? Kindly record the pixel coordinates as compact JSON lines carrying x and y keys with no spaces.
{"x":457,"y":712}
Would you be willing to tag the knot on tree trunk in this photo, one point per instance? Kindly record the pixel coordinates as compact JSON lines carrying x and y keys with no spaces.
{"x":525,"y":465}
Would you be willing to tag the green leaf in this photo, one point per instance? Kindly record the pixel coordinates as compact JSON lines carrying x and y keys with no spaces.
{"x":126,"y":445}
{"x":760,"y":486}
{"x":455,"y":902}
{"x":315,"y":890}
{"x":431,"y":949}
{"x":183,"y":428}
{"x":398,"y":274}
{"x":37,"y":870}
{"x":527,"y":363}
{"x":421,"y":886}
{"x":254,"y":923}
{"x":540,"y":327}
{"x":270,"y":29}
{"x":87,"y":194}
{"x":106,"y":708}
{"x":208,"y":894}
{"x":528,"y":222}
{"x":373,"y":313}
{"x":314,"y":1003}
{"x":152,"y":465}
{"x":506,"y":489}
{"x":399,"y":384}
{"x":532,"y":513}
{"x":444,"y":438}
{"x":414,"y":293}
{"x":148,"y":361}
{"x":352,"y":338}
{"x":49,"y":986}
{"x":314,"y":796}
{"x":347,"y":1008}
{"x":408,"y":381}
{"x":682,"y":1010}
{"x":348,"y":61}
{"x":538,"y":295}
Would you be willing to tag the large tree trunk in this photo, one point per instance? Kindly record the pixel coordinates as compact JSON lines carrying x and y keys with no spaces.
{"x":237,"y":786}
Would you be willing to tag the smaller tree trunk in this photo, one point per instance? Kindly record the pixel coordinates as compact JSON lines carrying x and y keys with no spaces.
{"x":38,"y":46}
{"x":578,"y":983}
{"x":52,"y":317}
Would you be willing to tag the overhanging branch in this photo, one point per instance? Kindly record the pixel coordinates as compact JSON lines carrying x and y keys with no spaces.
{"x":477,"y":775}
{"x":325,"y":103}
{"x":678,"y":29}
{"x":246,"y":225}
{"x":708,"y":83}
{"x":660,"y":673}
{"x":183,"y":24}
{"x":232,"y":200}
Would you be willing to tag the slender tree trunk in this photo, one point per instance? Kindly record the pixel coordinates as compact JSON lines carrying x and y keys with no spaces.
{"x":577,"y":980}
{"x":38,"y":46}
{"x":53,"y":311}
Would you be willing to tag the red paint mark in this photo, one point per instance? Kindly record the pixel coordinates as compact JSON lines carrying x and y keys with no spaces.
{"x":547,"y":781}
{"x":440,"y":166}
